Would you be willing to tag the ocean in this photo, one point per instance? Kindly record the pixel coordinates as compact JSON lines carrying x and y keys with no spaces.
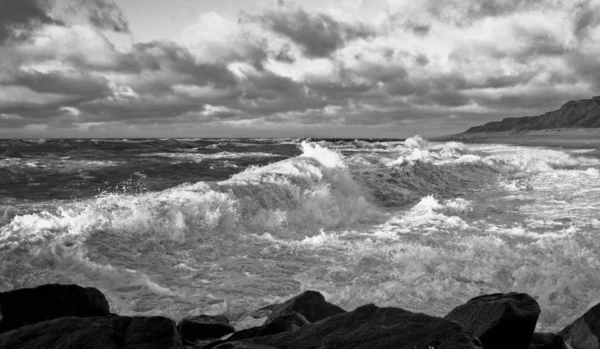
{"x":180,"y":227}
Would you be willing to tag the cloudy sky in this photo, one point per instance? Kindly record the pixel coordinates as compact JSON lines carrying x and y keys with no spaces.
{"x":279,"y":68}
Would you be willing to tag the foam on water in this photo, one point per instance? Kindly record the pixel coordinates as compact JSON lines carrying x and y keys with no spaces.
{"x":103,"y":241}
{"x":197,"y":157}
{"x":61,"y":165}
{"x":424,"y":226}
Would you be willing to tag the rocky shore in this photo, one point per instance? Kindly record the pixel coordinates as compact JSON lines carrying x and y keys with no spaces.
{"x":70,"y":316}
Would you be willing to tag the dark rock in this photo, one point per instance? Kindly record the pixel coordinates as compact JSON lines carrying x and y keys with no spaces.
{"x":371,"y":327}
{"x":289,"y":322}
{"x":285,"y":323}
{"x":584,"y":333}
{"x":311,"y":304}
{"x":547,"y":341}
{"x":31,"y":305}
{"x":264,"y":311}
{"x":499,"y":320}
{"x":201,"y":327}
{"x":95,"y":333}
{"x":573,"y":114}
{"x":244,"y":345}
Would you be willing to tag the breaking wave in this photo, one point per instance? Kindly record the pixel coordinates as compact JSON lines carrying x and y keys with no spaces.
{"x":301,"y":194}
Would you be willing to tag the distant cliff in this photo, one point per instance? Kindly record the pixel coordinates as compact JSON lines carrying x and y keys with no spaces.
{"x":574,"y":114}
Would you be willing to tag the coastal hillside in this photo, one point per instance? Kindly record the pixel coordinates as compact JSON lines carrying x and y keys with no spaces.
{"x":574,"y":114}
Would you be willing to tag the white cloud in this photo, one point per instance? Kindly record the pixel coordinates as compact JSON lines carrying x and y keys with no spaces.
{"x":77,"y":43}
{"x":71,"y":111}
{"x":214,"y":38}
{"x":203,"y":92}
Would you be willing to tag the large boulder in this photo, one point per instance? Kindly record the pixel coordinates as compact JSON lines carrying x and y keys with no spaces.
{"x":244,"y":345}
{"x":370,"y":327}
{"x":311,"y":304}
{"x":31,"y":305}
{"x":201,"y":327}
{"x":584,"y":333}
{"x":286,"y":323}
{"x":547,"y":341}
{"x":499,"y":320}
{"x":114,"y":332}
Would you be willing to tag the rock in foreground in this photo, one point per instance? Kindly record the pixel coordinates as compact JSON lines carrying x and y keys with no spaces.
{"x":286,"y":323}
{"x":310,"y":304}
{"x":584,"y":333}
{"x":200,"y":327}
{"x":244,"y":345}
{"x":32,"y":305}
{"x":95,"y":333}
{"x":499,"y":320}
{"x":547,"y":341}
{"x":370,"y":327}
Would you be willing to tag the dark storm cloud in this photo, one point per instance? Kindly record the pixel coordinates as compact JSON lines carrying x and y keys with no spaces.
{"x":502,"y":81}
{"x":318,"y":34}
{"x":284,"y":54}
{"x":586,"y":67}
{"x":586,"y":17}
{"x":537,"y":100}
{"x":105,"y":14}
{"x":81,"y":84}
{"x":382,"y":73}
{"x":154,"y":69}
{"x":407,"y":87}
{"x":418,"y":28}
{"x":531,"y":44}
{"x":270,"y":93}
{"x":449,"y":98}
{"x":32,"y":112}
{"x":18,"y":18}
{"x":462,"y":12}
{"x":143,"y":110}
{"x":171,"y":57}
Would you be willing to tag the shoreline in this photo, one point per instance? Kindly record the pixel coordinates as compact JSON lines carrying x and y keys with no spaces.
{"x":551,"y":138}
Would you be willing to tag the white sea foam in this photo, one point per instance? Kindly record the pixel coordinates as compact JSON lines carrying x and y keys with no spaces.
{"x":61,"y":165}
{"x":310,"y":191}
{"x":197,"y":157}
{"x":311,"y":222}
{"x":430,"y":212}
{"x":415,"y":142}
{"x":325,"y":156}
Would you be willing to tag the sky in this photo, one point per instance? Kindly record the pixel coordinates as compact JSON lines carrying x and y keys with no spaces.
{"x":283,"y":68}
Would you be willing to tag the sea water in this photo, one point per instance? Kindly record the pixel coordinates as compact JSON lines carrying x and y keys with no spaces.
{"x":180,"y":227}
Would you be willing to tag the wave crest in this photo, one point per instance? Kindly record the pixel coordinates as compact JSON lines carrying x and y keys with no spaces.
{"x":296,"y":195}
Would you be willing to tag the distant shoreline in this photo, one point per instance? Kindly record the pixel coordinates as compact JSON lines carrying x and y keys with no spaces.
{"x":583,"y":138}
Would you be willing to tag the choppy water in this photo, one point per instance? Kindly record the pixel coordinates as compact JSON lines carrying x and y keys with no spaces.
{"x":182,"y":227}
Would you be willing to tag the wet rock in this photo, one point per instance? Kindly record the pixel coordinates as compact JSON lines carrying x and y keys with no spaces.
{"x":244,"y":345}
{"x":95,"y":333}
{"x":31,"y":305}
{"x":285,"y":323}
{"x":584,"y":333}
{"x":547,"y":341}
{"x":371,"y":327}
{"x":499,"y":320}
{"x":311,"y":304}
{"x":202,"y":327}
{"x":264,"y":311}
{"x":289,"y":322}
